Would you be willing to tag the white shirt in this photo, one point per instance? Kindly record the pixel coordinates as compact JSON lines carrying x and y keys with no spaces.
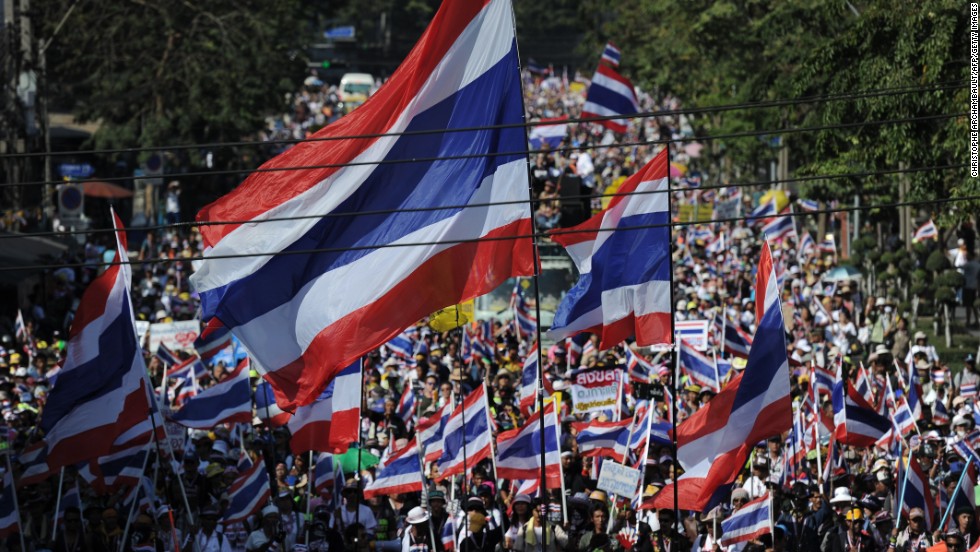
{"x":212,"y":543}
{"x":348,"y":518}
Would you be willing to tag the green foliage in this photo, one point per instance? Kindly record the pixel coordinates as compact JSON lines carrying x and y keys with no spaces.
{"x":172,"y":71}
{"x":937,"y":261}
{"x":944,"y":295}
{"x":950,"y":278}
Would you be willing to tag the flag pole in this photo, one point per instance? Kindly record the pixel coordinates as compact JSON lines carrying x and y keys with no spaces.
{"x":136,"y":498}
{"x":673,"y":338}
{"x":421,"y":455}
{"x":952,"y":498}
{"x":13,"y":489}
{"x":57,"y":505}
{"x":543,"y":487}
{"x":309,"y":495}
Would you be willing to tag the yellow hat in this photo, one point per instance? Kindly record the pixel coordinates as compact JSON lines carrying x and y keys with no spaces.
{"x":853,"y":514}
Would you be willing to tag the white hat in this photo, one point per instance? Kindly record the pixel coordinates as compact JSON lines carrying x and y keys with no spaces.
{"x":842,"y":495}
{"x":270,"y":510}
{"x":417,"y":515}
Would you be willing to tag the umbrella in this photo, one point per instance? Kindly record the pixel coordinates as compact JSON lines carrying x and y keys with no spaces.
{"x":348,"y":460}
{"x":841,"y":273}
{"x":107,"y":190}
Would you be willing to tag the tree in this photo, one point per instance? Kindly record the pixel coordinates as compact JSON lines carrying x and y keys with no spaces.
{"x":174,"y":71}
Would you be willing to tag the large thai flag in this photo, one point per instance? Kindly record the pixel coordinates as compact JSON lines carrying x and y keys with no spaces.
{"x":610,"y":94}
{"x":714,"y":443}
{"x":548,"y":132}
{"x":213,"y":339}
{"x":446,"y":209}
{"x":917,"y":493}
{"x":606,"y":439}
{"x":9,"y":513}
{"x":529,"y":381}
{"x":927,"y":231}
{"x":430,"y":430}
{"x":225,"y":402}
{"x":108,"y":474}
{"x":266,"y":408}
{"x":519,"y":450}
{"x":624,"y":283}
{"x":104,"y":366}
{"x":857,"y":423}
{"x":698,"y":367}
{"x":331,"y":423}
{"x":401,"y":473}
{"x":749,"y":522}
{"x":249,"y":493}
{"x":467,"y":435}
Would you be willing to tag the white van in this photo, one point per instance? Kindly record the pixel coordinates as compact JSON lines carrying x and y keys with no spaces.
{"x":355,"y":88}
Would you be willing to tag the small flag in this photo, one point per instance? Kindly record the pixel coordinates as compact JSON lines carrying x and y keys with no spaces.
{"x":611,"y":55}
{"x":927,"y":231}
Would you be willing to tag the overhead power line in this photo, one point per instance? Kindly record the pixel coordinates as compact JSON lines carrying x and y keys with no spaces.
{"x":745,"y":134}
{"x":180,"y":225}
{"x":532,"y":236}
{"x":881,"y":92}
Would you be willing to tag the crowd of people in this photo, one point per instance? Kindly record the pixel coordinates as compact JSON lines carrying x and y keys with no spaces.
{"x":828,"y":498}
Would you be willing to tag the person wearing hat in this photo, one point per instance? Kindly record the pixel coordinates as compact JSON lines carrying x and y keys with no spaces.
{"x":711,"y":523}
{"x":476,"y":536}
{"x":207,"y":538}
{"x":269,"y":534}
{"x":535,"y":536}
{"x":968,"y":375}
{"x":418,"y":535}
{"x":921,"y":346}
{"x":755,"y":485}
{"x":437,"y":509}
{"x":849,"y":536}
{"x":966,"y":524}
{"x":914,"y":537}
{"x":520,"y":514}
{"x":954,"y":540}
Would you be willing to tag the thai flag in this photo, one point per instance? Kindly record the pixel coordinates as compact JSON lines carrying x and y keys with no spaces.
{"x":108,"y":474}
{"x":968,"y":390}
{"x":466,"y":347}
{"x":484,"y":344}
{"x":917,"y":491}
{"x":605,"y":439}
{"x":863,"y":385}
{"x":717,"y":245}
{"x":823,"y":380}
{"x":401,"y":473}
{"x":695,"y":332}
{"x":20,"y":329}
{"x":610,"y":94}
{"x":213,"y":339}
{"x":640,"y":435}
{"x":624,"y":284}
{"x":33,"y":461}
{"x":820,"y":313}
{"x":808,"y":205}
{"x":762,"y":213}
{"x":9,"y":512}
{"x":639,"y":369}
{"x":660,"y":431}
{"x":445,"y":229}
{"x":524,"y":322}
{"x":266,"y":408}
{"x":902,"y":417}
{"x":857,"y":423}
{"x":749,"y":522}
{"x":529,"y":381}
{"x":781,"y":227}
{"x":228,"y":401}
{"x":738,"y":342}
{"x":588,"y":349}
{"x":400,"y":346}
{"x":927,"y":231}
{"x":468,"y":426}
{"x":104,"y":366}
{"x":940,"y":416}
{"x":964,"y":495}
{"x":184,"y":391}
{"x":703,"y":234}
{"x":914,"y":392}
{"x":964,"y":447}
{"x":323,"y":472}
{"x":828,"y":245}
{"x":611,"y":54}
{"x":406,"y":404}
{"x":698,"y":367}
{"x":249,"y":493}
{"x":191,"y":369}
{"x":167,"y":356}
{"x":519,"y":450}
{"x":574,"y":345}
{"x":448,"y":536}
{"x":430,"y":432}
{"x":714,"y":444}
{"x":331,"y":423}
{"x":806,"y":246}
{"x":548,"y":131}
{"x":939,"y":376}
